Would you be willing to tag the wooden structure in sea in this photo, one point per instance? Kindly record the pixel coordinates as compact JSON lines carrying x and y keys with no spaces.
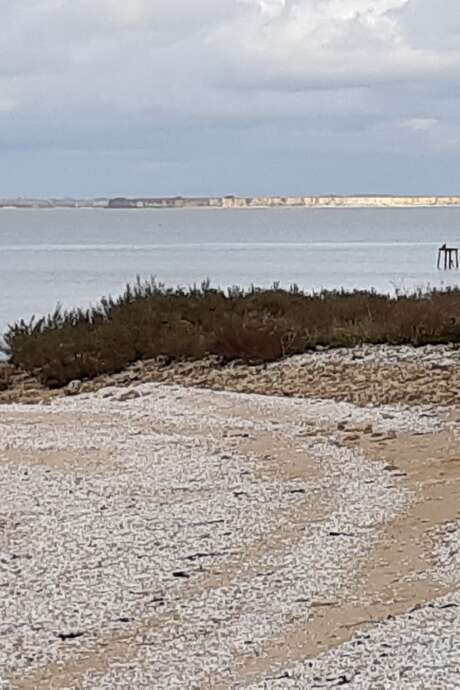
{"x":447,"y":257}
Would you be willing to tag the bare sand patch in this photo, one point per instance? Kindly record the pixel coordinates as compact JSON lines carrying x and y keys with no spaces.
{"x":187,"y":538}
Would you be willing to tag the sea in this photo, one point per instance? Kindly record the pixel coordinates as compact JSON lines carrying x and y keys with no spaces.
{"x":72,"y":257}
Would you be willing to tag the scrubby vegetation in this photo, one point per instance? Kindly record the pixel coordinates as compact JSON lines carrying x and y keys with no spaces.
{"x":149,"y":319}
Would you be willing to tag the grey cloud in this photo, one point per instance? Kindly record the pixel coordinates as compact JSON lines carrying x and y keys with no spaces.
{"x":179,"y":82}
{"x":322,"y":46}
{"x":433,"y":25}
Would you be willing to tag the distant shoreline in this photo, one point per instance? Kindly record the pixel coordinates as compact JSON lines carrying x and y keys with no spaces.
{"x":234,"y":202}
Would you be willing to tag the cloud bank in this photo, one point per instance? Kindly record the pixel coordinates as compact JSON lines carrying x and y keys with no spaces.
{"x":199,"y":96}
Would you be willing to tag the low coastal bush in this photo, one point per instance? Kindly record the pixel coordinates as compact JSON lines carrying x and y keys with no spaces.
{"x":254,"y":325}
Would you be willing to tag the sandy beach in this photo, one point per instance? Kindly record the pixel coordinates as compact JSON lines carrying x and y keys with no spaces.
{"x":162,"y":536}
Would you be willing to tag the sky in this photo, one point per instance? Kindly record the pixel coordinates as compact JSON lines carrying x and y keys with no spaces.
{"x":247,"y":97}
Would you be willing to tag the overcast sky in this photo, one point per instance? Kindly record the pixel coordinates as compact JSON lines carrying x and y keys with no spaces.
{"x":150,"y":97}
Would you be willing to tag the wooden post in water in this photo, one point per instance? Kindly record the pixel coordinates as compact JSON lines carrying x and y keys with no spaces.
{"x":450,"y":255}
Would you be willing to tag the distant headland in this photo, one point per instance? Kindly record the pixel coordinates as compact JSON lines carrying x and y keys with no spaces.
{"x":333,"y":201}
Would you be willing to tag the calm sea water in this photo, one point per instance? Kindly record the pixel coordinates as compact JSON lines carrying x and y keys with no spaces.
{"x":76,"y":256}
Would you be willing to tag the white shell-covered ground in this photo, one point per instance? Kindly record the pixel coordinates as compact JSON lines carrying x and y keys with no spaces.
{"x":163,"y":537}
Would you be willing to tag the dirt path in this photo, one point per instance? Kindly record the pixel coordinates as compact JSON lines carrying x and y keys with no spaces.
{"x":397,"y":575}
{"x":190,"y":539}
